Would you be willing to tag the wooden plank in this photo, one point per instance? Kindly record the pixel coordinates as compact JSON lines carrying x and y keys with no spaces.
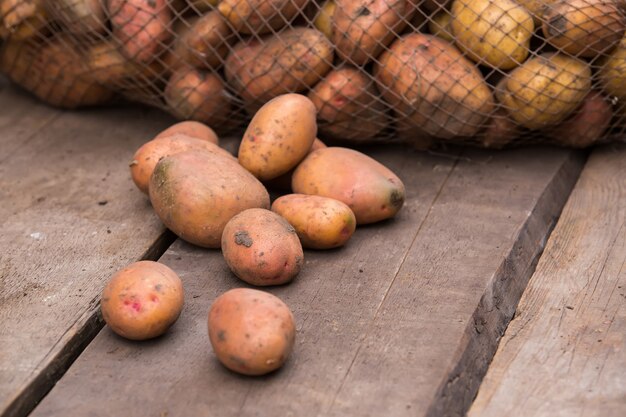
{"x":564,"y":354}
{"x":381,"y":324}
{"x":70,"y":215}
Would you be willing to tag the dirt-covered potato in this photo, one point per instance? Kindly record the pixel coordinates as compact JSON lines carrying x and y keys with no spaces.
{"x":199,"y":95}
{"x":324,"y":19}
{"x":612,"y":72}
{"x":586,"y":126}
{"x":320,"y":222}
{"x":544,"y":90}
{"x":142,"y":300}
{"x":192,"y":129}
{"x":202,"y":42}
{"x":262,"y":248}
{"x":348,"y":106}
{"x":371,"y":190}
{"x":492,"y":32}
{"x":289,"y":62}
{"x":439,"y":25}
{"x":22,"y":19}
{"x":259,"y":16}
{"x":141,"y":26}
{"x":150,"y":153}
{"x":252,"y":332}
{"x":79,"y":17}
{"x":428,"y":80}
{"x":363,"y":28}
{"x":279,"y":136}
{"x":195,"y":193}
{"x":585,"y":28}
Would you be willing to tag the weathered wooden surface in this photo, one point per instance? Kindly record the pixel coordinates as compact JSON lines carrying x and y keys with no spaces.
{"x":69,"y":217}
{"x":564,"y":354}
{"x":401,"y":322}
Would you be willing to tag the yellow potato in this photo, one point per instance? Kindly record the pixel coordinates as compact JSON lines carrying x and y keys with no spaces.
{"x":259,"y":16}
{"x":190,"y":128}
{"x":22,"y":19}
{"x":544,"y":90}
{"x":428,"y":81}
{"x":324,"y":20}
{"x":320,"y":222}
{"x":585,"y":28}
{"x":612,"y":72}
{"x":279,"y":136}
{"x":439,"y":25}
{"x":492,"y":32}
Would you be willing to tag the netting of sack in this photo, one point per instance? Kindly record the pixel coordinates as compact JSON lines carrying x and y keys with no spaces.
{"x":492,"y":73}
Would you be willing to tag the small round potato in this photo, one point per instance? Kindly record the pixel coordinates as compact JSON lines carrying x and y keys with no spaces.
{"x":192,"y":129}
{"x":252,"y":332}
{"x":142,"y":300}
{"x":320,"y":222}
{"x":262,"y":248}
{"x":146,"y":157}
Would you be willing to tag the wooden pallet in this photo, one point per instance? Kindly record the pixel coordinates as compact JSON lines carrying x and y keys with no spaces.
{"x":403,"y":321}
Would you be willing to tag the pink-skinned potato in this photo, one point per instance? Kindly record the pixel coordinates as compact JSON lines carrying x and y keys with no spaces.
{"x":142,"y":300}
{"x":262,"y":248}
{"x":190,"y":128}
{"x":371,"y":190}
{"x":195,"y":193}
{"x":320,"y":222}
{"x":252,"y":332}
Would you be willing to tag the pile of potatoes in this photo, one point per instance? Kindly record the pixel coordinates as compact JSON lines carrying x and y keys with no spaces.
{"x":483,"y":72}
{"x":212,"y":199}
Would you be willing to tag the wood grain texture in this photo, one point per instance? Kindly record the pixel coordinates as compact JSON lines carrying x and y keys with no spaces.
{"x":70,"y":216}
{"x":382,"y":323}
{"x":564,"y":354}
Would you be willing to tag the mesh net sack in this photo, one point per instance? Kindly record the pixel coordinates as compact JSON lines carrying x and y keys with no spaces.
{"x":491,"y":73}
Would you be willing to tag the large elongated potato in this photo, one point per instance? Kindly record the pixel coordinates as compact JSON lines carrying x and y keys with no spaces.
{"x":79,"y":17}
{"x":320,"y":222}
{"x":544,"y":90}
{"x":22,"y":19}
{"x":142,"y":26}
{"x":612,"y":72}
{"x":431,"y":84}
{"x":279,"y":136}
{"x":371,"y":190}
{"x":348,"y":105}
{"x":289,"y":62}
{"x":259,"y":16}
{"x":584,"y":28}
{"x":362,"y":28}
{"x":492,"y":32}
{"x":195,"y":193}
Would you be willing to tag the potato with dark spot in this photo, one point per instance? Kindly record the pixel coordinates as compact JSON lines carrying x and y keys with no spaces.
{"x":320,"y":222}
{"x":195,"y":193}
{"x":142,"y":300}
{"x":192,"y":129}
{"x":262,"y":248}
{"x":150,"y":153}
{"x":252,"y":332}
{"x":279,"y":136}
{"x":370,"y":189}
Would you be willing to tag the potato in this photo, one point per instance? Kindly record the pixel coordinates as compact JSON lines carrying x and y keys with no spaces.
{"x":439,"y":25}
{"x":22,"y":19}
{"x":195,"y":193}
{"x":585,"y":28}
{"x":283,"y":182}
{"x":412,"y":135}
{"x":363,"y":28}
{"x":500,"y":131}
{"x":252,"y":332}
{"x":535,"y":8}
{"x":492,"y":32}
{"x":197,"y":95}
{"x":545,"y":89}
{"x":259,"y":16}
{"x":142,"y":26}
{"x":370,"y":189}
{"x":348,"y":105}
{"x":79,"y":17}
{"x":612,"y":72}
{"x":192,"y":129}
{"x":586,"y":126}
{"x":320,"y":222}
{"x":324,"y":19}
{"x":262,"y":248}
{"x":54,"y":72}
{"x":108,"y":66}
{"x":142,"y":300}
{"x":279,"y":136}
{"x":203,"y":42}
{"x":434,"y":86}
{"x":289,"y":62}
{"x":150,"y":153}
